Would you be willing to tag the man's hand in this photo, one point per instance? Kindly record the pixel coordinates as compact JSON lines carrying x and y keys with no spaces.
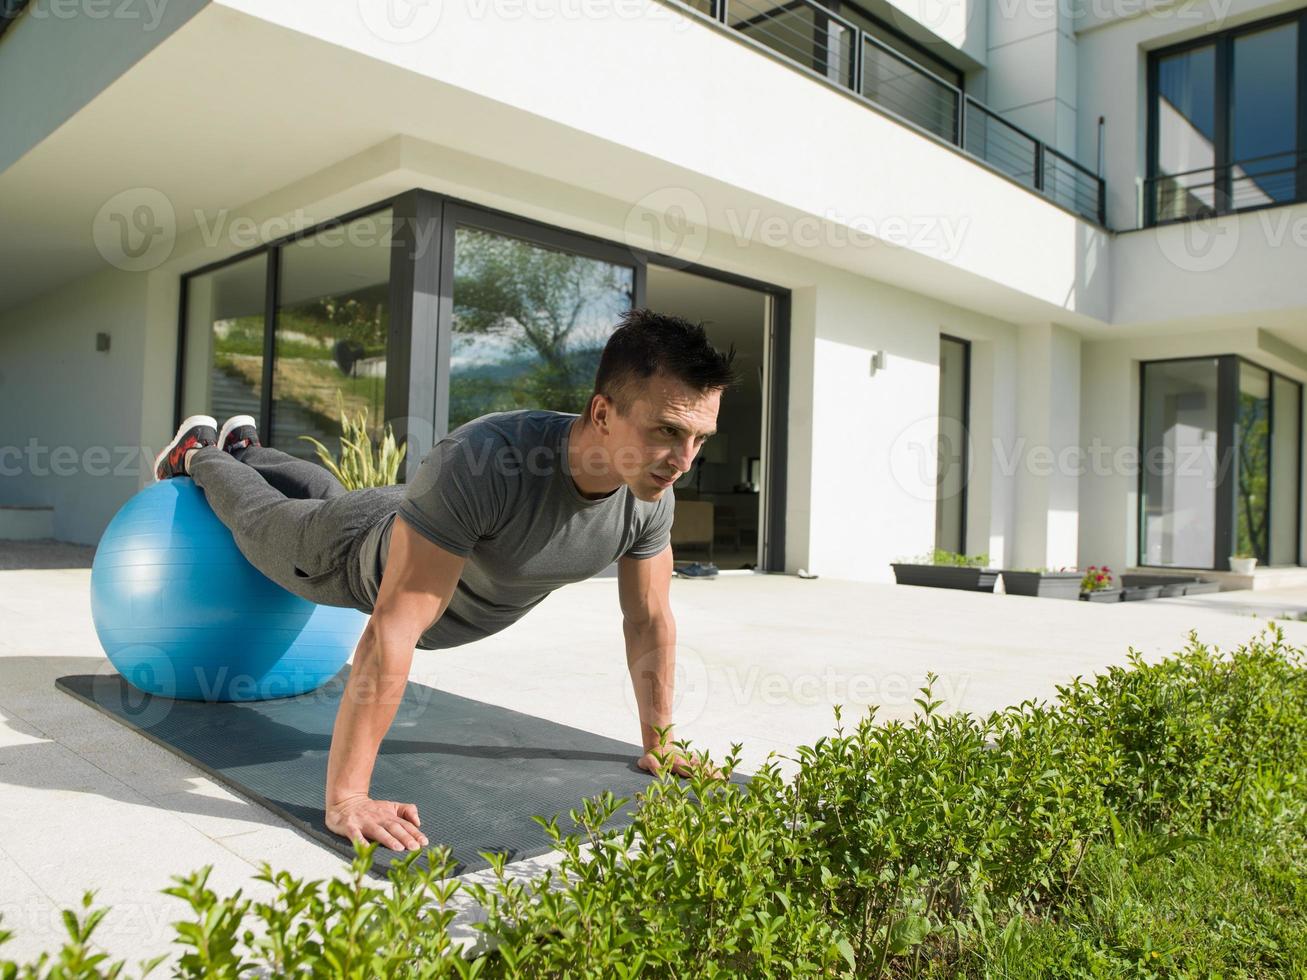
{"x":392,"y":825}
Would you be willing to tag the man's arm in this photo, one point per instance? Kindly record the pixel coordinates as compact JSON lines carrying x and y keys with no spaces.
{"x":644,"y":589}
{"x":419,"y":580}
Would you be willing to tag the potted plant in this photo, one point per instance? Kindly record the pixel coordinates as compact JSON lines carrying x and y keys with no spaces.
{"x":1064,"y":583}
{"x":1243,"y":563}
{"x":942,"y":569}
{"x":1097,"y":585}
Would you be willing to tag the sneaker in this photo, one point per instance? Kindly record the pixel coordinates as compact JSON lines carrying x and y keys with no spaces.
{"x":697,"y":570}
{"x":238,"y":432}
{"x":195,"y":432}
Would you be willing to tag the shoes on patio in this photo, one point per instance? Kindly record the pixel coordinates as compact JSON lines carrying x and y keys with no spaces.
{"x":697,"y":570}
{"x":237,"y":433}
{"x":196,"y":432}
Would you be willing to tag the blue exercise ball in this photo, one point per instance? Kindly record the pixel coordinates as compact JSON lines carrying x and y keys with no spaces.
{"x":181,"y":613}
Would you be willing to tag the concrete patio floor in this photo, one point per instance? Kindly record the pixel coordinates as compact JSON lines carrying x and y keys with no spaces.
{"x":86,"y":803}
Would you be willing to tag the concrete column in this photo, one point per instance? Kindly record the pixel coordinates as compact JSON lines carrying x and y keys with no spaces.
{"x":1031,"y":69}
{"x":1046,"y":456}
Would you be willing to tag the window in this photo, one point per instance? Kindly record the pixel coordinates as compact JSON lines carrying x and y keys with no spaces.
{"x":1224,"y":122}
{"x":529,"y":324}
{"x":951,"y":445}
{"x":1221,"y":458}
{"x":1253,"y":443}
{"x":223,"y":339}
{"x":330,"y":325}
{"x":1286,"y":474}
{"x":428,"y":312}
{"x":1179,"y":454}
{"x":333,"y":317}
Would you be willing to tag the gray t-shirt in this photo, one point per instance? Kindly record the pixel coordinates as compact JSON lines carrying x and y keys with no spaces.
{"x":498,"y":492}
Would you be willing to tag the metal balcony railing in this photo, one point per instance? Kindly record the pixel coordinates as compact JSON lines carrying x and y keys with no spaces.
{"x":1257,"y":182}
{"x":809,"y":34}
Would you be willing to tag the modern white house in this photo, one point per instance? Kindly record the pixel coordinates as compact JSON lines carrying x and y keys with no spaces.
{"x":1021,"y":277}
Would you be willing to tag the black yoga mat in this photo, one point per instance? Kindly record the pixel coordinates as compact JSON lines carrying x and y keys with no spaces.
{"x":477,"y":772}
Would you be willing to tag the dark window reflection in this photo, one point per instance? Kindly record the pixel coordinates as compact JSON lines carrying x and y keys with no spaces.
{"x":1264,"y":116}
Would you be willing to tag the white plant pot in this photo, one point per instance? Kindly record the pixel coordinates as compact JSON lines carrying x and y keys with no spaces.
{"x":1242,"y":566}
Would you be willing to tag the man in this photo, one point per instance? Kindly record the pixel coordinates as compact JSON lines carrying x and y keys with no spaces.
{"x":501,"y":512}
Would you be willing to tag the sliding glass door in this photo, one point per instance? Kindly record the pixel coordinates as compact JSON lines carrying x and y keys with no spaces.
{"x":1221,"y":456}
{"x":1179,"y":453}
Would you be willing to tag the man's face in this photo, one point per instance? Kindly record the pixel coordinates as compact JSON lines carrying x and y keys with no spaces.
{"x":654,"y":444}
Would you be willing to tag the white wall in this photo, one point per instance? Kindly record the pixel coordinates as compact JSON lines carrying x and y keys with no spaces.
{"x":70,"y":416}
{"x":873,"y":437}
{"x":1048,"y":436}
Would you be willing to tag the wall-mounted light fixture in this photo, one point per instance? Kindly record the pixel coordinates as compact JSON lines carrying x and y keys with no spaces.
{"x":877,"y":362}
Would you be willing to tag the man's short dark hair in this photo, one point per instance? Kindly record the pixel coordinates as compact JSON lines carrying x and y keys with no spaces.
{"x":646,"y":343}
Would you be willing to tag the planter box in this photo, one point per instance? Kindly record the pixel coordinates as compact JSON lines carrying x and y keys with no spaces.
{"x":946,"y":576}
{"x":1046,"y":585}
{"x":1101,"y":595}
{"x":1172,"y":585}
{"x":1141,"y":592}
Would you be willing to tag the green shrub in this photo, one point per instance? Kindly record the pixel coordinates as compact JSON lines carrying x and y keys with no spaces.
{"x":939,"y":556}
{"x":939,"y":846}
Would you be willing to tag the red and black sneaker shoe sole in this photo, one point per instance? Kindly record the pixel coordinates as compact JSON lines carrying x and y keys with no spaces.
{"x":196,"y":432}
{"x":237,"y":433}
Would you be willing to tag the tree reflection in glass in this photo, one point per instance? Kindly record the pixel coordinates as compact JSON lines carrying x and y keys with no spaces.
{"x":529,"y":324}
{"x":1254,"y":450}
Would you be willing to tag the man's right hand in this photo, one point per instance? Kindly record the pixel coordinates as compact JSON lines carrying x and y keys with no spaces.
{"x":390,"y":824}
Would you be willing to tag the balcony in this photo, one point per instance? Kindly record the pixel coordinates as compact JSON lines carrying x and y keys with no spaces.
{"x":1244,"y":185}
{"x":816,"y":39}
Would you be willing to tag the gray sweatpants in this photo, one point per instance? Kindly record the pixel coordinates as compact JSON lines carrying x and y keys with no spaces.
{"x":293,"y":520}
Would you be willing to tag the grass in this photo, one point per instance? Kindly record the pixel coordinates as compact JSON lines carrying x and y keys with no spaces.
{"x":1230,"y":903}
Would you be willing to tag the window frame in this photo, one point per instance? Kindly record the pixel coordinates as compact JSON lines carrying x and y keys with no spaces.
{"x":966,"y":442}
{"x":421,"y":317}
{"x":1227,"y":484}
{"x":1223,"y":45}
